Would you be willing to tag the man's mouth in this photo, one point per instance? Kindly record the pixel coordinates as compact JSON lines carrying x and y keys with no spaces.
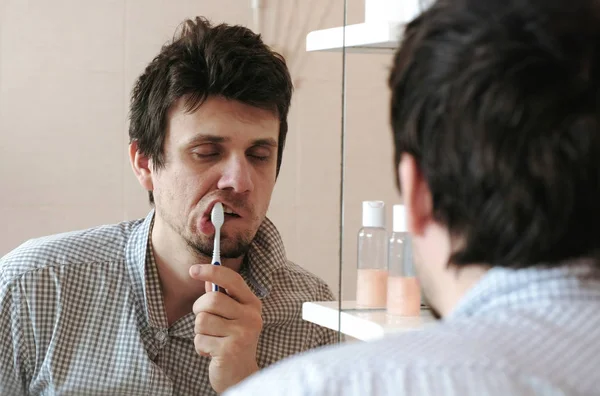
{"x":229,"y":212}
{"x":206,"y":226}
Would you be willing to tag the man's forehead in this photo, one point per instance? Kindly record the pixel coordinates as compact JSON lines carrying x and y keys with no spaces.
{"x":201,"y":138}
{"x":223,"y":121}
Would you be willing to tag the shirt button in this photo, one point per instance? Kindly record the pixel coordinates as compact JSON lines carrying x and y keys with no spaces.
{"x":161,"y":335}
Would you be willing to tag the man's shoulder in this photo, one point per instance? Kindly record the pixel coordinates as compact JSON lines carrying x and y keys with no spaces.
{"x":300,"y":279}
{"x":434,"y":346}
{"x":487,"y":354}
{"x":416,"y":362}
{"x":104,"y":243}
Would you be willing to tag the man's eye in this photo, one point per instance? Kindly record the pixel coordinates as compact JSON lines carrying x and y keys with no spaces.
{"x":206,"y":151}
{"x":260,"y":153}
{"x":260,"y":158}
{"x":205,"y":154}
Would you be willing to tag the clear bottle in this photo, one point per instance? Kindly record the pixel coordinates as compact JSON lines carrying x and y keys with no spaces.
{"x":404,"y":292}
{"x":371,"y":287}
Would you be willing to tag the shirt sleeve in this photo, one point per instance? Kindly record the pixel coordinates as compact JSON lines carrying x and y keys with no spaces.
{"x":13,"y":377}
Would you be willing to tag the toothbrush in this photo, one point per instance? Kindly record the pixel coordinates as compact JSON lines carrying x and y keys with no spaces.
{"x":217,"y":217}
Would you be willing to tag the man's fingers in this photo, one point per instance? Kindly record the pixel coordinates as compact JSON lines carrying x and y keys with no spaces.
{"x":211,"y":325}
{"x":218,"y":304}
{"x":208,"y":345}
{"x":226,"y":278}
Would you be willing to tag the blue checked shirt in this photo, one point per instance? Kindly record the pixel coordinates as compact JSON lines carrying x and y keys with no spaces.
{"x":82,"y":313}
{"x":524,"y":332}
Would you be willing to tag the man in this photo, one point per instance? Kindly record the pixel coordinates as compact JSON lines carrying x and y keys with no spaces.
{"x":122,"y":309}
{"x":496,"y":124}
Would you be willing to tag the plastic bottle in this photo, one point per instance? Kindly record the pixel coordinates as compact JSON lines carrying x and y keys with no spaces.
{"x":404,"y":293}
{"x":371,"y":287}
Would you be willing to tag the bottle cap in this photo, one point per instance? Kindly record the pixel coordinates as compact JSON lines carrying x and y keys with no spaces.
{"x":373,"y":214}
{"x":399,"y":215}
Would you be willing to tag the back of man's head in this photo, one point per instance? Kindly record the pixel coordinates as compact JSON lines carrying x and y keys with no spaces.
{"x":498,"y":102}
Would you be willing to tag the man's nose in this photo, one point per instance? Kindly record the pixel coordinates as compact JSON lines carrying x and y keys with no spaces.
{"x":237,"y":175}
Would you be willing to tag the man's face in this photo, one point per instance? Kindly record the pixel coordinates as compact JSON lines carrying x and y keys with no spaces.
{"x":225,"y":151}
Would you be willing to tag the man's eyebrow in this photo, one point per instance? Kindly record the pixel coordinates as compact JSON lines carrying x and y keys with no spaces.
{"x":205,"y":138}
{"x":197,"y":139}
{"x":265,"y":142}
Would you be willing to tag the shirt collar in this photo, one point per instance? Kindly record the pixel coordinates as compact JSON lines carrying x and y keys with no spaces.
{"x":137,"y":252}
{"x":265,"y":256}
{"x":502,"y":287}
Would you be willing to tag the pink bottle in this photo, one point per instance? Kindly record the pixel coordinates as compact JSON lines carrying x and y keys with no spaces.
{"x":372,"y":279}
{"x":404,"y":292}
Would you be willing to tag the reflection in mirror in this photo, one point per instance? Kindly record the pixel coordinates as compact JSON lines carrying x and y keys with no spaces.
{"x":128,"y":121}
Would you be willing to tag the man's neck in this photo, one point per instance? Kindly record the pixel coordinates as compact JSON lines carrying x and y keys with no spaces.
{"x":457,"y":283}
{"x":173,"y":259}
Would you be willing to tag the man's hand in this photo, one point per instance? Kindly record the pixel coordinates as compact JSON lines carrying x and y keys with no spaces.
{"x":227,"y":326}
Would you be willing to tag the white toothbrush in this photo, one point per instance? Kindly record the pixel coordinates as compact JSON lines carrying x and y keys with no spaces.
{"x":217,"y":217}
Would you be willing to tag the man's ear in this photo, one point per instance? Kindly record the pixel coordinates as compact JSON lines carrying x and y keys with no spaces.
{"x":141,"y":166}
{"x":415,"y":194}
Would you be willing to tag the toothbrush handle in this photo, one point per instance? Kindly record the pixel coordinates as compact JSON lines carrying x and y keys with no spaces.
{"x":216,"y":260}
{"x":215,"y":288}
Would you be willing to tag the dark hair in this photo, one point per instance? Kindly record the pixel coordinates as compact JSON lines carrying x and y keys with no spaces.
{"x":203,"y":61}
{"x":498,"y":102}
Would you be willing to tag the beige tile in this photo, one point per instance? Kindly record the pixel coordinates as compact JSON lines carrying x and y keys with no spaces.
{"x":306,"y":193}
{"x":283,"y":212}
{"x":282,"y":209}
{"x":317,"y":241}
{"x":61,"y":138}
{"x":318,"y":126}
{"x":64,"y":34}
{"x":285,"y":219}
{"x":21,"y":223}
{"x":135,"y":198}
{"x":151,"y":23}
{"x":285,"y":24}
